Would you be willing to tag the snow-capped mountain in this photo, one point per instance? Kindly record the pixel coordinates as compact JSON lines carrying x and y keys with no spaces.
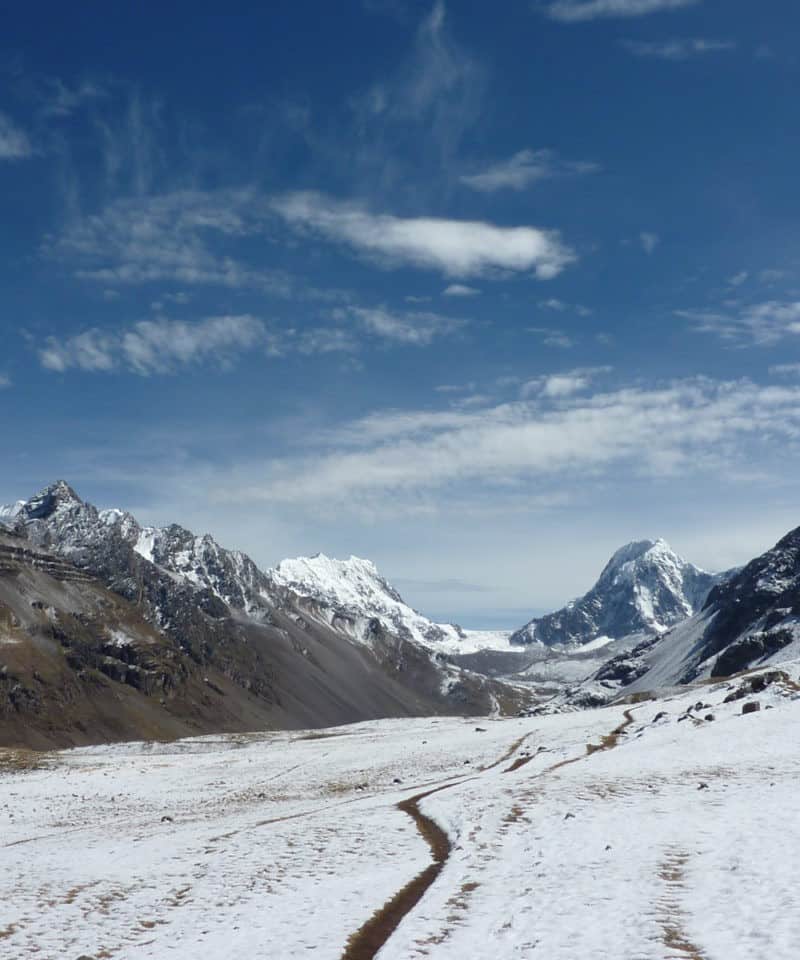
{"x":356,"y":589}
{"x":750,"y":619}
{"x":645,"y":588}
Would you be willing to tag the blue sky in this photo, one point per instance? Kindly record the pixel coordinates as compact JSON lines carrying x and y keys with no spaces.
{"x":478,"y":291}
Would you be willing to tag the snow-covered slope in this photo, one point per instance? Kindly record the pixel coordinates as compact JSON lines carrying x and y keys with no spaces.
{"x":284,"y":845}
{"x":645,"y":588}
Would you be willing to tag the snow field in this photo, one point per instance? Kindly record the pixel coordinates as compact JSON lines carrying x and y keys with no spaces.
{"x":282,"y":845}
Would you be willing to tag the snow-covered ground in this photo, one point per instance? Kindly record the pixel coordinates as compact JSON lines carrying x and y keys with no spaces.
{"x":679,"y":839}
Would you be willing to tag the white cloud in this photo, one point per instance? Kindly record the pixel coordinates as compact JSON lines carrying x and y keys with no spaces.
{"x":763,"y":324}
{"x":5,"y":381}
{"x":14,"y":143}
{"x":575,"y":11}
{"x":677,"y":49}
{"x":458,"y":248}
{"x":553,"y":303}
{"x":649,"y":241}
{"x":682,"y":428}
{"x":155,"y":346}
{"x":565,"y":384}
{"x":460,"y":290}
{"x":738,"y":278}
{"x":525,"y":168}
{"x":419,"y":327}
{"x":553,"y":338}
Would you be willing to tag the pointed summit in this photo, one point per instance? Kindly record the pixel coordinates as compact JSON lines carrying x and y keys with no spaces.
{"x":44,"y":503}
{"x":645,"y":588}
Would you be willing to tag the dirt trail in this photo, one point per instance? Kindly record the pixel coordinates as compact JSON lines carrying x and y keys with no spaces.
{"x":368,"y":940}
{"x":365,"y":943}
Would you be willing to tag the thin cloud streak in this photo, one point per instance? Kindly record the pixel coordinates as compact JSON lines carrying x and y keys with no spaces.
{"x":579,"y":11}
{"x":678,"y":49}
{"x":524,"y":169}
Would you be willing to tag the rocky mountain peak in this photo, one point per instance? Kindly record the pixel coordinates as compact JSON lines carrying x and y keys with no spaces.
{"x":644,"y":588}
{"x":56,"y":496}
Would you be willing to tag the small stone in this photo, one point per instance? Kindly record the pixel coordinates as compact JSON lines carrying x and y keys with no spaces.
{"x":752,"y":706}
{"x":166,"y":819}
{"x":569,"y":816}
{"x":703,"y":786}
{"x":709,"y":716}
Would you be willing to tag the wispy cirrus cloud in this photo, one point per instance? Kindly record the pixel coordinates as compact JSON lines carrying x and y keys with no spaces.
{"x":762,"y":324}
{"x":155,"y":346}
{"x":14,"y":142}
{"x":681,"y":428}
{"x":677,"y":49}
{"x":60,"y":99}
{"x":5,"y":381}
{"x":185,"y":237}
{"x":163,"y":237}
{"x":578,"y":11}
{"x":163,"y":345}
{"x":524,"y":169}
{"x":457,"y":248}
{"x":418,"y":328}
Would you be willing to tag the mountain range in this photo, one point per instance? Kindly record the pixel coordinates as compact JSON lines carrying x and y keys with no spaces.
{"x":111,"y":629}
{"x":90,"y":596}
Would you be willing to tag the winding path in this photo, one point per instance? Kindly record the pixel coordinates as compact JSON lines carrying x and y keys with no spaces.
{"x":368,"y":940}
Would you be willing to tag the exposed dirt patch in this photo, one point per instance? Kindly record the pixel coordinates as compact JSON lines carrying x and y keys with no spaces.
{"x":519,"y":762}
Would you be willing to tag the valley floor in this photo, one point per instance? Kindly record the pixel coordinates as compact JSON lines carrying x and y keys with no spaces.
{"x":667,"y":838}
